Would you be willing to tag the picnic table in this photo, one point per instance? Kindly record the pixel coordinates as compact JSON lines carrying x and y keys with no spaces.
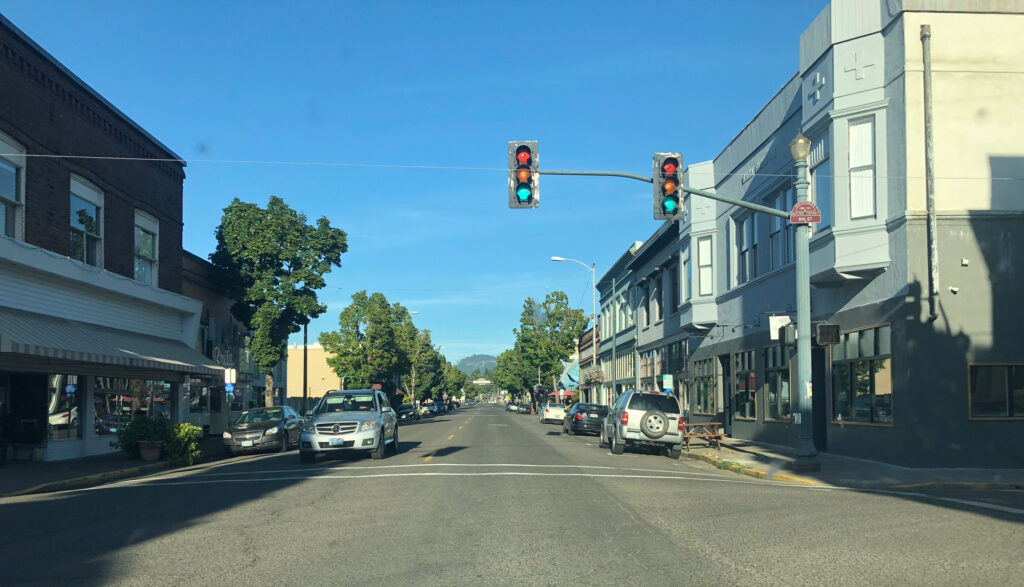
{"x":708,"y":431}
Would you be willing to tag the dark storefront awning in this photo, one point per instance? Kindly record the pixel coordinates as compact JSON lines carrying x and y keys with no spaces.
{"x":28,"y":333}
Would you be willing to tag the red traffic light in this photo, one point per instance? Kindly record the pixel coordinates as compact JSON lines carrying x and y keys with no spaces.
{"x":523,"y":154}
{"x":670,"y":166}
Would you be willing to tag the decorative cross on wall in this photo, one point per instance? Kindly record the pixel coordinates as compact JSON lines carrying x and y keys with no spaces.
{"x":857,"y":66}
{"x":816,"y":86}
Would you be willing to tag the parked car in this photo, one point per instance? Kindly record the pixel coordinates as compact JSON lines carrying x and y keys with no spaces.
{"x":407,"y":413}
{"x":640,"y":418}
{"x":428,"y":409}
{"x":551,"y":412}
{"x":584,"y":418}
{"x":512,"y":407}
{"x":358,"y":420}
{"x":525,"y":409}
{"x":274,"y":428}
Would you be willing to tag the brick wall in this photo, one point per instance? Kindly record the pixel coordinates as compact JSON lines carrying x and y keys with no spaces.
{"x":51,"y":113}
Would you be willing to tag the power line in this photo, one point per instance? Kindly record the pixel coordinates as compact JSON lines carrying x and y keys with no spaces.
{"x":436,"y":167}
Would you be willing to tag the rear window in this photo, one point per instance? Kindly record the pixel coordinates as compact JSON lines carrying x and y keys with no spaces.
{"x":603,"y":410}
{"x":650,"y":401}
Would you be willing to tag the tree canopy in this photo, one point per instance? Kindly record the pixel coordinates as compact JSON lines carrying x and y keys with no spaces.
{"x":272,"y":262}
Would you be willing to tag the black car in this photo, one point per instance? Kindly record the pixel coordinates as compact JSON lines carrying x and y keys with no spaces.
{"x":406,"y":413}
{"x":273,"y":428}
{"x":584,"y":418}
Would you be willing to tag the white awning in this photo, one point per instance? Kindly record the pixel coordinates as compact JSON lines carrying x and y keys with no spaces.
{"x":37,"y":335}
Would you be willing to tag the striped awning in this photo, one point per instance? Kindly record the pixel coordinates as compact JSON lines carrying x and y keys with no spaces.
{"x":37,"y":335}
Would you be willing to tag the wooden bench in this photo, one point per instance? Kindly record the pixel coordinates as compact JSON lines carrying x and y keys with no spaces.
{"x":704,"y":430}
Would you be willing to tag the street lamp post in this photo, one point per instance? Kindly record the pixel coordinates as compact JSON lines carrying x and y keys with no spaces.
{"x":593,"y":291}
{"x":806,"y":454}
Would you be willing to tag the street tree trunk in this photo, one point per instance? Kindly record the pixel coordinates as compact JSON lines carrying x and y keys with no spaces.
{"x":268,"y":392}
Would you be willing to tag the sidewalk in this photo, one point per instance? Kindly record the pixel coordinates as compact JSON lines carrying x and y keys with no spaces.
{"x":774,"y":462}
{"x":27,"y":477}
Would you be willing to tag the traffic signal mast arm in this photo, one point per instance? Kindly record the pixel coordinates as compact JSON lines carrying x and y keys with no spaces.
{"x":694,"y":191}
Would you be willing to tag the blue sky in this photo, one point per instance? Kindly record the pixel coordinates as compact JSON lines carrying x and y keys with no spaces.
{"x":318,"y":98}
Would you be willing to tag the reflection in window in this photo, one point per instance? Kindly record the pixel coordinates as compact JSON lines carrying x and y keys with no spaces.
{"x":862,"y":377}
{"x":704,"y":386}
{"x":64,"y":407}
{"x":776,"y":385}
{"x":746,"y":385}
{"x":118,"y":400}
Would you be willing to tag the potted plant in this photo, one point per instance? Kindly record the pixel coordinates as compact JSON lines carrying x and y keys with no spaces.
{"x":593,"y":375}
{"x":143,"y":437}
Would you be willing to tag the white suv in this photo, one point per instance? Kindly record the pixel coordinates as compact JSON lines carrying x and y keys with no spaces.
{"x":640,"y":418}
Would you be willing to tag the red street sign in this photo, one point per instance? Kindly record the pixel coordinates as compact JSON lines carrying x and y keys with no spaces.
{"x":805,"y":213}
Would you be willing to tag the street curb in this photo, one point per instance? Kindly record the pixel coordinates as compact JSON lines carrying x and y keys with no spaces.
{"x":749,"y":471}
{"x":90,"y":480}
{"x":960,"y":485}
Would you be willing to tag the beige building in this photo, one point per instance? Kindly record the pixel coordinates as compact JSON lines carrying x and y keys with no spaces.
{"x":319,"y":379}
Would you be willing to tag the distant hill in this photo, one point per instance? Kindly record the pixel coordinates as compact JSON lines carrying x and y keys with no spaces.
{"x":480,"y":363}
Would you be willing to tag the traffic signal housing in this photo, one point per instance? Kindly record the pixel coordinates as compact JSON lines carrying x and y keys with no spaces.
{"x":523,"y":175}
{"x":668,"y":179}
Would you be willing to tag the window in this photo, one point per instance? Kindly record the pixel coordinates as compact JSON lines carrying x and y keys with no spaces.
{"x":790,"y":227}
{"x":862,"y":169}
{"x":776,"y":383}
{"x":645,"y":292}
{"x":12,"y":173}
{"x":704,"y":272}
{"x":996,"y":391}
{"x":704,"y":386}
{"x":777,"y":246}
{"x":745,"y":388}
{"x":746,"y":244}
{"x":146,"y":230}
{"x":686,"y":287}
{"x":821,"y":193}
{"x":86,"y":218}
{"x":656,"y":298}
{"x":862,"y":376}
{"x":672,"y":296}
{"x":65,"y":407}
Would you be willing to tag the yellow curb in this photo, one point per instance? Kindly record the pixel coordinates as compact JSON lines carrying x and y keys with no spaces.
{"x":754,"y":473}
{"x":791,"y":478}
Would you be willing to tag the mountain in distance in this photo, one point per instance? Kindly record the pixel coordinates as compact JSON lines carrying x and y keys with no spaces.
{"x":481,"y":363}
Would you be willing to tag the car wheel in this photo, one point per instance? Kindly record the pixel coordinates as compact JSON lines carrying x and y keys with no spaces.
{"x":673,"y":453}
{"x":601,"y":442}
{"x":617,"y":447}
{"x":307,"y":456}
{"x":570,"y":431}
{"x":654,"y":424}
{"x":394,"y":442}
{"x":378,"y":453}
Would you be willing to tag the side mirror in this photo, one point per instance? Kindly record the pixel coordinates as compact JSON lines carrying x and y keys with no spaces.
{"x":309,"y":413}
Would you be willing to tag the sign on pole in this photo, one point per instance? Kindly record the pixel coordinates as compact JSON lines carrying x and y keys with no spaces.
{"x":804,"y":213}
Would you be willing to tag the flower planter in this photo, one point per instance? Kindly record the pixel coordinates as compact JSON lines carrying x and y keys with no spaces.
{"x":149,"y":450}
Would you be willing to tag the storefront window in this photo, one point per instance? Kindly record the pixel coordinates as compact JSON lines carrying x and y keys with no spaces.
{"x":118,"y":400}
{"x":198,"y":396}
{"x":746,"y":385}
{"x":64,"y":407}
{"x":776,"y":383}
{"x":704,"y":386}
{"x":862,"y":377}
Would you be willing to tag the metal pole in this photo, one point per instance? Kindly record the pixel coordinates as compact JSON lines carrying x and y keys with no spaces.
{"x":615,"y":332}
{"x":593,"y":333}
{"x":806,"y":453}
{"x":305,"y":367}
{"x":636,"y":339}
{"x":929,"y":174}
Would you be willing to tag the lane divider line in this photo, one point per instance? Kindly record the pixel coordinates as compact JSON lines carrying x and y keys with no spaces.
{"x":428,"y":458}
{"x":451,"y":437}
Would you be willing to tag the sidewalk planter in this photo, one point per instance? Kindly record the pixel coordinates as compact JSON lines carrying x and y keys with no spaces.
{"x":140,"y":431}
{"x":149,"y":450}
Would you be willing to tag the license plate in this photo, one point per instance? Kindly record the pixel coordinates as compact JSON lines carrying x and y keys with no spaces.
{"x":633,"y":435}
{"x":337,"y":442}
{"x":591,"y":415}
{"x":246,"y":443}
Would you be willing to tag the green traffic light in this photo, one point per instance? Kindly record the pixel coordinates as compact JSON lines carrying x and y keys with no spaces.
{"x":523,"y":192}
{"x":670,"y":204}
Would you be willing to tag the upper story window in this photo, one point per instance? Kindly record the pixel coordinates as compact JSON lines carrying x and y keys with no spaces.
{"x":146,"y":231}
{"x":821,"y":182}
{"x":862,"y":168}
{"x":12,"y":188}
{"x":86,"y":222}
{"x":781,"y":234}
{"x":746,"y":246}
{"x":705,"y":274}
{"x":686,"y":286}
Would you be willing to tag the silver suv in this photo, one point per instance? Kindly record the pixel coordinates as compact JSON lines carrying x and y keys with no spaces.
{"x":639,"y":418}
{"x":350,"y":420}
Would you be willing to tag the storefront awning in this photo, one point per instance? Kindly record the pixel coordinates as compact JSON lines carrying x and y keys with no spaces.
{"x":37,"y":335}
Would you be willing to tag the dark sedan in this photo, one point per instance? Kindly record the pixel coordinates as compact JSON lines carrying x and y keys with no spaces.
{"x":584,"y":418}
{"x":407,"y":413}
{"x":273,"y":428}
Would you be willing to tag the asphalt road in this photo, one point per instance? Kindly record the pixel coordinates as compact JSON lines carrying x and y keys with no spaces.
{"x":482,"y":496}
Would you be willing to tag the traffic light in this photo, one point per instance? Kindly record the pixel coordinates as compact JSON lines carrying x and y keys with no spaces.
{"x":523,"y":175}
{"x":668,"y":174}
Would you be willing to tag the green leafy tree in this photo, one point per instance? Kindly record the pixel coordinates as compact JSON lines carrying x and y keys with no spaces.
{"x":425,"y":364}
{"x":271,"y":263}
{"x":372,"y":342}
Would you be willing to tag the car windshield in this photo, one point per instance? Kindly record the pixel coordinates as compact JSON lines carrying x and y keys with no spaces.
{"x":651,"y":401}
{"x":592,"y":408}
{"x":348,"y":402}
{"x":258,"y":416}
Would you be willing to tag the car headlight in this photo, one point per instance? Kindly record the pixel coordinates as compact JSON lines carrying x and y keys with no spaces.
{"x":309,"y":427}
{"x":270,"y":431}
{"x":226,"y":435}
{"x":369,"y":425}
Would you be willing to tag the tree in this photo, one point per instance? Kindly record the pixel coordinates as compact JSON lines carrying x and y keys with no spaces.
{"x":271,"y":262}
{"x":424,"y":363}
{"x":546,"y":337}
{"x":372,"y":342}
